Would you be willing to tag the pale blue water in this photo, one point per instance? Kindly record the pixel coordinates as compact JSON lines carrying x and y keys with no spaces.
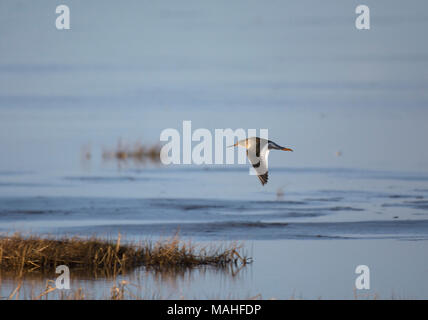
{"x":297,"y":68}
{"x":219,"y":204}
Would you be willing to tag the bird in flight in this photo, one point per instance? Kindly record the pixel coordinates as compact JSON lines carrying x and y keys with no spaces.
{"x":257,"y":153}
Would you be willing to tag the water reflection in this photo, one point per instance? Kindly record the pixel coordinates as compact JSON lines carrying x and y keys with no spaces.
{"x":142,"y":283}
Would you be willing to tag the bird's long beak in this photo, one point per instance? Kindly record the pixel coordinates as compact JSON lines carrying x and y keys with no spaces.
{"x":287,"y":149}
{"x":233,"y":145}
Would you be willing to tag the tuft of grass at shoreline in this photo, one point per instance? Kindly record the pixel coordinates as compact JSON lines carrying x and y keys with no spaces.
{"x":36,"y":254}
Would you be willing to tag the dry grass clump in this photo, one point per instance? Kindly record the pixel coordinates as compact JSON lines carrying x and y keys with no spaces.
{"x":34,"y":253}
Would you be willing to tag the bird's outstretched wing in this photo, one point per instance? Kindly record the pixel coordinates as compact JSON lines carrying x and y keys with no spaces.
{"x":258,"y":156}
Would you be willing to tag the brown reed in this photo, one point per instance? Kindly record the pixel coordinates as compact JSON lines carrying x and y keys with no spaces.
{"x":40,"y":254}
